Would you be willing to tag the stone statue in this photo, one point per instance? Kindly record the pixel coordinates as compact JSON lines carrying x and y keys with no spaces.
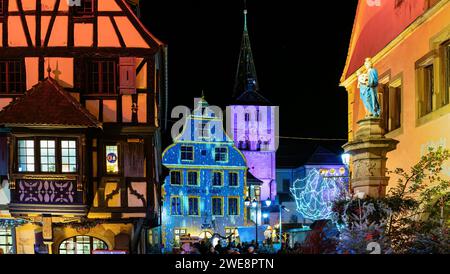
{"x":368,"y":85}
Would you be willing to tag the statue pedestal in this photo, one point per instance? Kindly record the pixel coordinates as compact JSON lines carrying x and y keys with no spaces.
{"x":368,"y":161}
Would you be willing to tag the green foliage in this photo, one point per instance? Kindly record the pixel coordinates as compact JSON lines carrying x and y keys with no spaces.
{"x":417,"y":218}
{"x":416,"y":201}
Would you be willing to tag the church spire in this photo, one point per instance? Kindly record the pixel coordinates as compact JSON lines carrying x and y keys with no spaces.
{"x":246,"y":79}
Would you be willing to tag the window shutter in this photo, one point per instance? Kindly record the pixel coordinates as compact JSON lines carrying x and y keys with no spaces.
{"x":127,"y":74}
{"x":80,"y":74}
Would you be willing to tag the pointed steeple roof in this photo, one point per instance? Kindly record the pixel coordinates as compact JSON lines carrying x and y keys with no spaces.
{"x":246,"y":82}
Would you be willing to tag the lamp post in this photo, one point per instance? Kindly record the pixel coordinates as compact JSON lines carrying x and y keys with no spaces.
{"x":282,"y":207}
{"x":254,"y":204}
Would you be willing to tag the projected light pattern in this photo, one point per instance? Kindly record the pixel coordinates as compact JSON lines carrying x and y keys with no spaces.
{"x":315,"y":194}
{"x":204,"y":192}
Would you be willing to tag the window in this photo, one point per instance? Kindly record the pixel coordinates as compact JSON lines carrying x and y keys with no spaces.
{"x":81,"y":245}
{"x":175,"y":203}
{"x":231,"y":231}
{"x":233,"y":179}
{"x":217,"y":206}
{"x":428,"y":88}
{"x":193,"y":206}
{"x":102,"y":77}
{"x":86,"y":8}
{"x":175,"y":178}
{"x":6,"y":240}
{"x":247,"y":117}
{"x":187,"y":153}
{"x":112,"y":159}
{"x":233,"y":206}
{"x":217,"y":178}
{"x":26,"y":156}
{"x":446,"y":62}
{"x":48,"y":158}
{"x":68,"y":156}
{"x":12,"y":76}
{"x":193,"y":178}
{"x":221,"y":154}
{"x":392,"y":106}
{"x":202,"y":130}
{"x":179,"y":232}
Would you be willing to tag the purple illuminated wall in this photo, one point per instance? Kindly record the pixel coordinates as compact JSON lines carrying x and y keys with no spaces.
{"x":253,"y":131}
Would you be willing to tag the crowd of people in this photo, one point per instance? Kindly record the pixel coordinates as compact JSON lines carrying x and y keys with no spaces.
{"x":232,"y":248}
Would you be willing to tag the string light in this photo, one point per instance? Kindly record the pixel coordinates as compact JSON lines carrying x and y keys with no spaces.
{"x":315,"y":195}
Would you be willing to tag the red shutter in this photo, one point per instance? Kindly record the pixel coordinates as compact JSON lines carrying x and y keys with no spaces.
{"x":127,"y":74}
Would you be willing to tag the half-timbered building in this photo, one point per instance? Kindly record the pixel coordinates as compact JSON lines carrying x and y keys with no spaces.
{"x":82,"y":101}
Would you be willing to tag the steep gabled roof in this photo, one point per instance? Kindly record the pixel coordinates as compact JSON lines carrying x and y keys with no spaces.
{"x":47,"y":104}
{"x":246,"y":82}
{"x":376,"y":26}
{"x":150,"y":38}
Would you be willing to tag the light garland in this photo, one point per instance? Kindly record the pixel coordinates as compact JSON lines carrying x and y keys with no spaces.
{"x":315,"y":194}
{"x":9,"y":223}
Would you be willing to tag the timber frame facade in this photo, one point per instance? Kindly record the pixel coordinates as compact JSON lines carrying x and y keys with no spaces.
{"x":83,"y":96}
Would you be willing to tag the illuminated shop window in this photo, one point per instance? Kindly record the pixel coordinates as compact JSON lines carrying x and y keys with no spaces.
{"x":112,"y":159}
{"x":193,"y":206}
{"x":187,"y":153}
{"x":233,"y":206}
{"x":233,"y":179}
{"x":176,"y":206}
{"x":217,"y":206}
{"x":231,"y":231}
{"x":26,"y":155}
{"x":69,"y":156}
{"x":175,"y":178}
{"x":217,"y":178}
{"x":221,"y":154}
{"x":193,"y":178}
{"x":6,"y":240}
{"x":179,"y":232}
{"x":48,"y":159}
{"x":81,"y":245}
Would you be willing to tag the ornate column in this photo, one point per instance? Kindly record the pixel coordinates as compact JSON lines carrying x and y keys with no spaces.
{"x":368,"y":158}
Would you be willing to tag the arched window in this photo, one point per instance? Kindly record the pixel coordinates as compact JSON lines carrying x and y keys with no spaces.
{"x":81,"y":245}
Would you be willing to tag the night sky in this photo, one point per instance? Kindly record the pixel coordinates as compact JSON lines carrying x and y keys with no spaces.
{"x":299,"y":48}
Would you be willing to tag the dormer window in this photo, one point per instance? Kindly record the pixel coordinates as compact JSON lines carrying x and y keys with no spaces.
{"x":85,"y":9}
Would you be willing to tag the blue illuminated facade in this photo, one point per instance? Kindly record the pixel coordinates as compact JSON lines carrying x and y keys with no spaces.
{"x":204,"y":192}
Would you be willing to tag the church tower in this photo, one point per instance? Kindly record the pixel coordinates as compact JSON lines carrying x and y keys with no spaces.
{"x":252,"y":122}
